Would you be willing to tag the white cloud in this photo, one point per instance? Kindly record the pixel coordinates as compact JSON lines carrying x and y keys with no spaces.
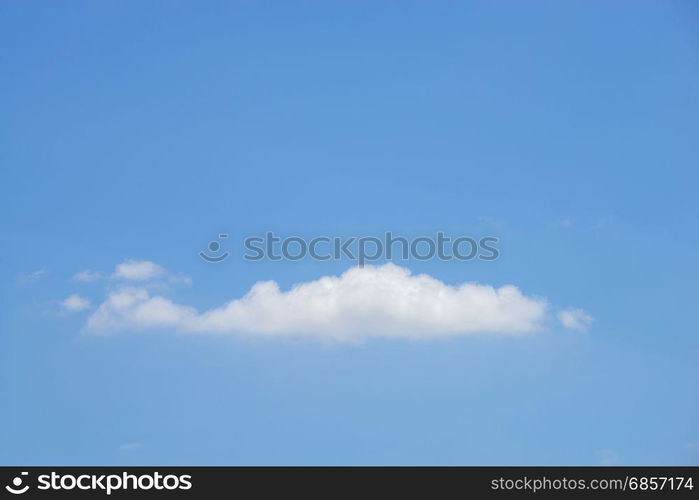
{"x":135,"y":308}
{"x":75,"y":303}
{"x":564,"y":223}
{"x":607,"y":457}
{"x":33,"y":276}
{"x":180,"y":279}
{"x":373,"y":301}
{"x":138,"y":270}
{"x":87,"y":276}
{"x":130,"y":446}
{"x":575,"y":319}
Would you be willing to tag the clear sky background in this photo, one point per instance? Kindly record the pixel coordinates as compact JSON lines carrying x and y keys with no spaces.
{"x":141,"y":130}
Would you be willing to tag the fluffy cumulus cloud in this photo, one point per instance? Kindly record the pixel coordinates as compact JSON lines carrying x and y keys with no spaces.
{"x":371,"y":301}
{"x":138,"y":270}
{"x":134,"y":308}
{"x":575,"y":319}
{"x":75,"y":303}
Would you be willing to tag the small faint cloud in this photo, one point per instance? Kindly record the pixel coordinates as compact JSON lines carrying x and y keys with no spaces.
{"x":33,"y":276}
{"x":180,"y":279}
{"x":491,"y":221}
{"x":564,"y":223}
{"x":75,"y":303}
{"x":138,"y":270}
{"x":575,"y":319}
{"x":606,"y":222}
{"x":130,"y":446}
{"x":694,"y":446}
{"x":607,"y":457}
{"x":87,"y":276}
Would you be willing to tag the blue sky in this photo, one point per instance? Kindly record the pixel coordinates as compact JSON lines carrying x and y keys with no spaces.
{"x":141,"y":130}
